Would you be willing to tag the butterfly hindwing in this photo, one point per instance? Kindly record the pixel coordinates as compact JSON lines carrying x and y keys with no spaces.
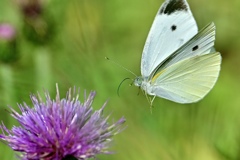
{"x":201,"y":43}
{"x":189,"y":80}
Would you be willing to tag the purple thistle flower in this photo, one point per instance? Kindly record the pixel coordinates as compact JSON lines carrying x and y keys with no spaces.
{"x":7,"y":31}
{"x":61,"y":128}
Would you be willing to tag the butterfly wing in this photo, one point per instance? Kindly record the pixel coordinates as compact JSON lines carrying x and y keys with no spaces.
{"x":189,"y":80}
{"x":173,"y":26}
{"x":201,"y":43}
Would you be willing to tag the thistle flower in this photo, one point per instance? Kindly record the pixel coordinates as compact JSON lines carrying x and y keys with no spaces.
{"x":30,"y":8}
{"x":61,"y":128}
{"x":39,"y":26}
{"x":7,"y":32}
{"x":8,"y":43}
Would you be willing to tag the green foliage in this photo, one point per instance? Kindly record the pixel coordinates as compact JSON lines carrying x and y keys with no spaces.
{"x":85,"y":31}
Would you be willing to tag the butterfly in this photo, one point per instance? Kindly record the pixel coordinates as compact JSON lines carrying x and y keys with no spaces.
{"x":179,"y":63}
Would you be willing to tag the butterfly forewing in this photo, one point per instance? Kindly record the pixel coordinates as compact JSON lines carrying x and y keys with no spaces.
{"x":173,"y":26}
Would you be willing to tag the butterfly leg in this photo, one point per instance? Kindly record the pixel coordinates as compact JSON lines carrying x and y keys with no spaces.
{"x":152,"y":100}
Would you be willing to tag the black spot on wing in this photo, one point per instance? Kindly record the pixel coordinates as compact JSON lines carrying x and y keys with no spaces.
{"x":173,"y":27}
{"x":172,"y":6}
{"x":195,"y":48}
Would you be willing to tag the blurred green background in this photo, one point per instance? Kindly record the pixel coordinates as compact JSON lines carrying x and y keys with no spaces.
{"x":76,"y":35}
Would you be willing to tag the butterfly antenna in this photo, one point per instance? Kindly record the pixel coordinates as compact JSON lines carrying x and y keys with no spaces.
{"x":121,"y":66}
{"x":121,"y":84}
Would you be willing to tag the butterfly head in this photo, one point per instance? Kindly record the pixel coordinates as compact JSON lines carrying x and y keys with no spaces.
{"x":138,"y":81}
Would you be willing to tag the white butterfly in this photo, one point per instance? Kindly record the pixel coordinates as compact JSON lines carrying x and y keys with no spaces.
{"x":178,"y":62}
